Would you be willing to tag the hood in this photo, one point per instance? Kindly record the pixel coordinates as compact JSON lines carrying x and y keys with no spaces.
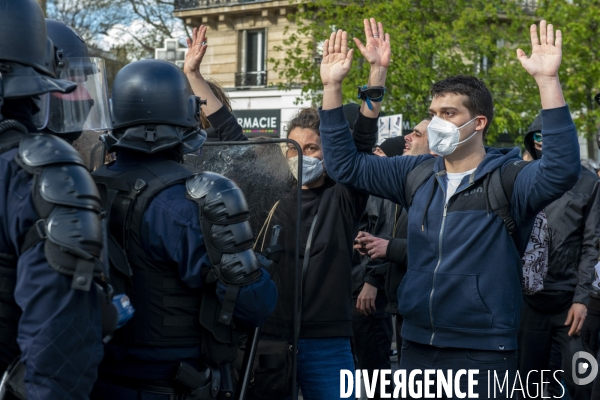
{"x":536,"y":126}
{"x":494,"y":158}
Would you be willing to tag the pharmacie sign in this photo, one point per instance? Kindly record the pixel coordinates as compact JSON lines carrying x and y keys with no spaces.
{"x":259,"y":122}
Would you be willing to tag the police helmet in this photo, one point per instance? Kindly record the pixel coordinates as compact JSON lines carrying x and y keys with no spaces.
{"x":153,"y":108}
{"x":26,"y":53}
{"x":86,"y":108}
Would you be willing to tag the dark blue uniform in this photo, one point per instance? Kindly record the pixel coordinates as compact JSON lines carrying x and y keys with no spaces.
{"x":171,"y":234}
{"x":60,"y":328}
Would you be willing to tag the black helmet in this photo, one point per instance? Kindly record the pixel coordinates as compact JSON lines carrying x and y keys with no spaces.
{"x":86,"y":108}
{"x":66,"y":39}
{"x":26,"y":53}
{"x":153,"y":108}
{"x":153,"y":92}
{"x":23,"y":35}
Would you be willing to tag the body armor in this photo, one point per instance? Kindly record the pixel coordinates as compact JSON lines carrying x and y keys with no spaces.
{"x":67,"y":201}
{"x":166,"y":309}
{"x":172,"y":314}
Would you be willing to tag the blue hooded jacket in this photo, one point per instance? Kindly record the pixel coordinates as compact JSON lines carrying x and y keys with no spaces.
{"x":463,"y":285}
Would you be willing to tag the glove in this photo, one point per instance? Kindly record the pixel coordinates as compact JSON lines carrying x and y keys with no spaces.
{"x":591,"y":327}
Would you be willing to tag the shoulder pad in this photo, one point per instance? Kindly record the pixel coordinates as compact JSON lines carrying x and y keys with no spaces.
{"x":69,"y":185}
{"x":77,"y":231}
{"x":198,"y":186}
{"x":36,"y":150}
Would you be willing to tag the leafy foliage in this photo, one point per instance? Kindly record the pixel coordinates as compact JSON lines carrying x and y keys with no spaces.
{"x":433,"y":39}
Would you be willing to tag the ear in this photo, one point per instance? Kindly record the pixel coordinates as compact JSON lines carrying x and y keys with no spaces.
{"x":481,"y":123}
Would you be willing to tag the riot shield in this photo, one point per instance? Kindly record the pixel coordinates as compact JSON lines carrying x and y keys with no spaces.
{"x":261,"y":170}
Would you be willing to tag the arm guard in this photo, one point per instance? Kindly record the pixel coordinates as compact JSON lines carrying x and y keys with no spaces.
{"x":66,"y":199}
{"x":227,"y":234}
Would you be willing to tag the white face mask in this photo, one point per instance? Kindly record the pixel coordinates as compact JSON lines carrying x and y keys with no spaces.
{"x":312,"y":168}
{"x":444,"y":136}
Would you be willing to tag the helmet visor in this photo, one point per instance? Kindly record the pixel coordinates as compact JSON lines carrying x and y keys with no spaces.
{"x":84,"y":109}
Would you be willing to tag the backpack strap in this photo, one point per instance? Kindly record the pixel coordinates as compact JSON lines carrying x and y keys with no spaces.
{"x":500,"y":190}
{"x":416,"y":178}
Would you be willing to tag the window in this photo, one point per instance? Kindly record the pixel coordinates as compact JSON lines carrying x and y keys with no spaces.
{"x":252,"y":59}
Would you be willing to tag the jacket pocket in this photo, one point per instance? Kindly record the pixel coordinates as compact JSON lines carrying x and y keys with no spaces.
{"x":413,"y":297}
{"x":457,"y":303}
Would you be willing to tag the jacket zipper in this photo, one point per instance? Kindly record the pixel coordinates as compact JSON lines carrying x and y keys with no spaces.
{"x":441,"y":235}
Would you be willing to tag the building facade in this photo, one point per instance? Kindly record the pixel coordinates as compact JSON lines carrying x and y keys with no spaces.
{"x":243,"y":36}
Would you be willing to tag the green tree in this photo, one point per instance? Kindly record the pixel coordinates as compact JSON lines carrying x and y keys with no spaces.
{"x":433,"y":39}
{"x":580,"y":78}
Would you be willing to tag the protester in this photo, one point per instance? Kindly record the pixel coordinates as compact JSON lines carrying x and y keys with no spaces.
{"x":392,"y":249}
{"x":50,"y":227}
{"x":193,"y":291}
{"x":325,"y":331}
{"x":390,"y":147}
{"x":461,"y":298}
{"x":558,"y":309}
{"x":371,"y":324}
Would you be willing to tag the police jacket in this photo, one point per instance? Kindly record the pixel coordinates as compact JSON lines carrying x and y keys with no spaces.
{"x":574,"y":230}
{"x":463,"y":285}
{"x":327,"y":294}
{"x":167,"y":295}
{"x":59,"y":328}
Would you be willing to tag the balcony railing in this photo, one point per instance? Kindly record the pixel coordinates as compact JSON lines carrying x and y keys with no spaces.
{"x":181,"y":5}
{"x":248,"y":79}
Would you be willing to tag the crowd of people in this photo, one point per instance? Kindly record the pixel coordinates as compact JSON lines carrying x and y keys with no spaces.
{"x":146,"y":274}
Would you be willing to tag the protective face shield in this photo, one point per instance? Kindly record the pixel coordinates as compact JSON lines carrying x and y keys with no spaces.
{"x":86,"y":108}
{"x":444,"y":136}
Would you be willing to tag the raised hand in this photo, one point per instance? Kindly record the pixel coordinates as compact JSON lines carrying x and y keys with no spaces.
{"x":377,"y":50}
{"x":337,"y":59}
{"x":196,"y":49}
{"x":546,"y":54}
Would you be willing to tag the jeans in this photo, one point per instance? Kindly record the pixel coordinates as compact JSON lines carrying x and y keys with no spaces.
{"x":372,"y":340}
{"x":536,"y":334}
{"x":319,"y":363}
{"x":417,"y":356}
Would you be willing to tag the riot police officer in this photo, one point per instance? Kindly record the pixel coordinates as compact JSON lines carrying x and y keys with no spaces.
{"x":82,"y":115}
{"x":180,"y":246}
{"x":50,"y":228}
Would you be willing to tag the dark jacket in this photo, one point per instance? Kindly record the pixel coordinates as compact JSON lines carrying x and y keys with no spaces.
{"x":59,"y":329}
{"x":378,"y":220}
{"x":397,"y":257}
{"x":463,"y":285}
{"x":574,"y":229}
{"x":327,"y":285}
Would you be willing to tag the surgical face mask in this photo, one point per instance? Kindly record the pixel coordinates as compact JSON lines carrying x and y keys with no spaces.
{"x":312,"y":168}
{"x":444,"y":136}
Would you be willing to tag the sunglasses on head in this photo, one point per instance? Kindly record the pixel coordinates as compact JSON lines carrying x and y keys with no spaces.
{"x":537,"y":137}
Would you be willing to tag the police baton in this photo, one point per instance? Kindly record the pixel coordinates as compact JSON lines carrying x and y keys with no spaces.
{"x":272,"y":253}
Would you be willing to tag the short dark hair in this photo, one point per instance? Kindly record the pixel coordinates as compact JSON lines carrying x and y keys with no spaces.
{"x":479,"y":99}
{"x":306,"y":118}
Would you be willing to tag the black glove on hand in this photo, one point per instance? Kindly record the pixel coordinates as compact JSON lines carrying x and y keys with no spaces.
{"x":591,"y":327}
